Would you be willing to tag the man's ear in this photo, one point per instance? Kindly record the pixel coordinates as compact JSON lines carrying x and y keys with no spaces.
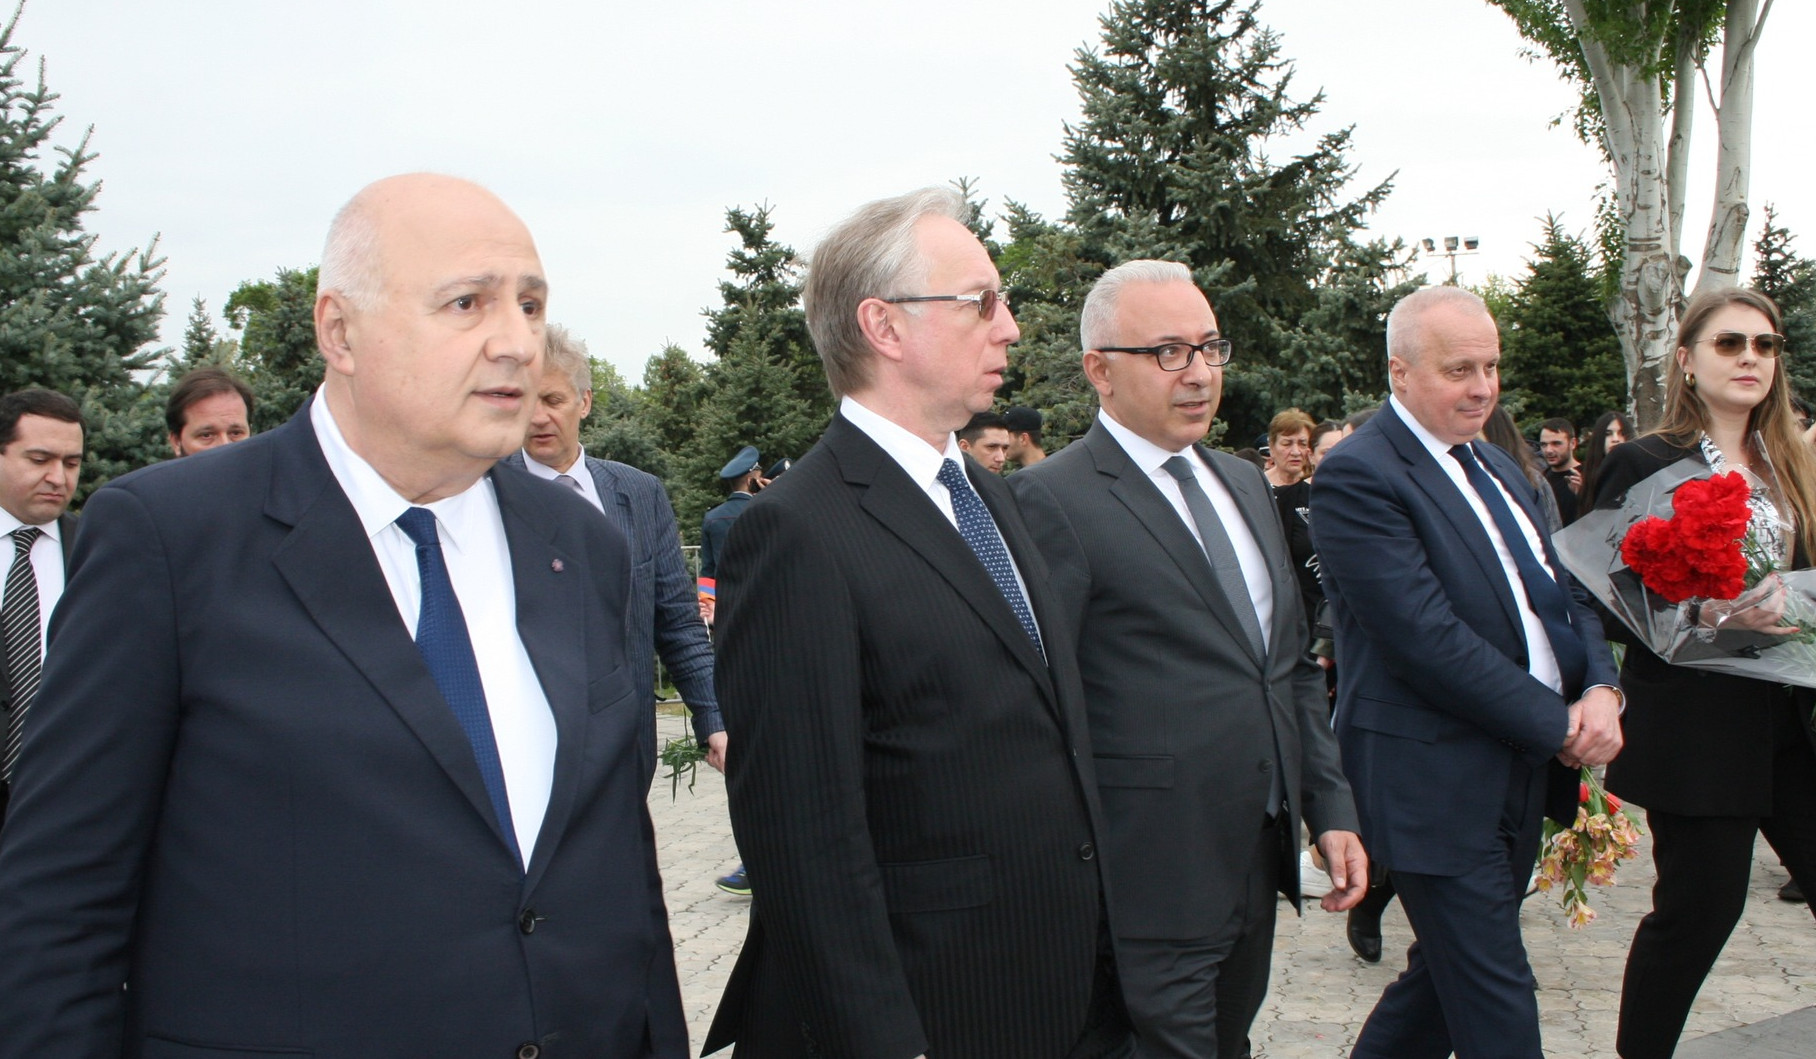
{"x":333,"y":328}
{"x":1097,"y":371}
{"x":586,"y":404}
{"x":880,"y":323}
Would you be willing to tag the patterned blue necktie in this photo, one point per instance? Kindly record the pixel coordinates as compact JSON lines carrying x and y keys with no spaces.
{"x":979,"y":531}
{"x":441,"y":636}
{"x":1548,"y":599}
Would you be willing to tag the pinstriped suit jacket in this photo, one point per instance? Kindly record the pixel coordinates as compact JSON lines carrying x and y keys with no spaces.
{"x":911,"y":788}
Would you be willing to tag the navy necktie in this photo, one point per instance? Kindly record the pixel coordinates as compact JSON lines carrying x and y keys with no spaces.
{"x":979,"y":531}
{"x":441,"y":636}
{"x":1547,"y":597}
{"x":22,"y":630}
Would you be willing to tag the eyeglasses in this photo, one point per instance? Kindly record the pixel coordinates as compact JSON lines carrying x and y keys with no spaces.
{"x":1730,"y":343}
{"x":1177,"y":356}
{"x":985,"y":300}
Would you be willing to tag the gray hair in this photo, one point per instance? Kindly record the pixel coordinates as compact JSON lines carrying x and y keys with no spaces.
{"x":350,"y":265}
{"x":871,"y":254}
{"x":568,"y":355}
{"x":1405,"y":324}
{"x":1097,"y":321}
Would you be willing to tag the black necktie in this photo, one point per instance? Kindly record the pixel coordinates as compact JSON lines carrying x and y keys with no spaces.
{"x":441,"y":637}
{"x":979,"y":531}
{"x":1220,"y":551}
{"x":1547,"y":598}
{"x":22,"y":632}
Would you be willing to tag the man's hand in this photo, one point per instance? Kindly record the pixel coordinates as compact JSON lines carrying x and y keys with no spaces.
{"x":715,"y":750}
{"x":1593,"y":736}
{"x":1348,"y":867}
{"x":707,"y":606}
{"x":1575,"y":479}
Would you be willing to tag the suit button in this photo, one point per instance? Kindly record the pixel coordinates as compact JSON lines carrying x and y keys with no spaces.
{"x":527,"y":923}
{"x":1265,"y":765}
{"x":1087,"y":851}
{"x":528,"y":1051}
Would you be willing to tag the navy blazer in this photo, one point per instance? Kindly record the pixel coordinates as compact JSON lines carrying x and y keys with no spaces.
{"x":1434,"y":703}
{"x":244,"y":798}
{"x":664,"y":614}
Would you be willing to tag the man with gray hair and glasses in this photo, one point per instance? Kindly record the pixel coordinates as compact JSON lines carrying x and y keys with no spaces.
{"x":913,"y":786}
{"x":1207,"y":715}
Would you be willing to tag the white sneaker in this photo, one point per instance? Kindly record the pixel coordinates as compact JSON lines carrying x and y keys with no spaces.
{"x":1312,"y":881}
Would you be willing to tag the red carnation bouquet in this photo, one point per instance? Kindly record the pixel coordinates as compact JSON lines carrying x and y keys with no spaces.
{"x":1682,"y":564}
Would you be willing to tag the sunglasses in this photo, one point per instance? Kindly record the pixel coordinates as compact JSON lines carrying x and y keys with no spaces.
{"x":985,"y":300}
{"x":1730,"y":343}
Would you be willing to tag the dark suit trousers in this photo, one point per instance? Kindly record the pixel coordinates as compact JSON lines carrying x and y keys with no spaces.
{"x":1704,"y":866}
{"x":1468,"y":986}
{"x":1197,"y":998}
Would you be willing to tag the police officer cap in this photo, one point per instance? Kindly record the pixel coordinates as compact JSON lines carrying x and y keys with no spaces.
{"x":776,"y":468}
{"x":741,"y":464}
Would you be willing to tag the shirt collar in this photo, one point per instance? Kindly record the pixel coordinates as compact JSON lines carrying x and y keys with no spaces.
{"x":374,"y":501}
{"x":1147,"y":455}
{"x":10,"y":522}
{"x":921,"y":460}
{"x":544,"y":471}
{"x":1438,"y":448}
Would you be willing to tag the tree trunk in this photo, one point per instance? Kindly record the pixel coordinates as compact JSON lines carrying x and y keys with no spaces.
{"x":1734,"y":146}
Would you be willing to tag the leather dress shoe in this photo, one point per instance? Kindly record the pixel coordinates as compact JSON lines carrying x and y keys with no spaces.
{"x":1364,"y":931}
{"x":1790,"y":891}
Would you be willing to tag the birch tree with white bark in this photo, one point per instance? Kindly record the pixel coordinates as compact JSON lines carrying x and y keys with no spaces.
{"x":1645,"y":67}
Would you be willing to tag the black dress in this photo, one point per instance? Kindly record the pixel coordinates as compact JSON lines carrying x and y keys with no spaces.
{"x":1715,"y":759}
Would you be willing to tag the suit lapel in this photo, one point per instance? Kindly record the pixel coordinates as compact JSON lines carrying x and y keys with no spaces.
{"x":329,"y":564}
{"x":903,"y":509}
{"x":550,"y":587}
{"x":615,"y":500}
{"x":1423,"y":469}
{"x":1136,"y":491}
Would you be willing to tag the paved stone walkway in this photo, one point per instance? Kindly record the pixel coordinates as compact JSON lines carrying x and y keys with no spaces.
{"x":1320,"y":992}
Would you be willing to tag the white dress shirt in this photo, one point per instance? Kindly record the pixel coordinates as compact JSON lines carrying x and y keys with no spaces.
{"x":922,"y":463}
{"x":577,"y":471}
{"x":47,"y":567}
{"x":1541,"y":660}
{"x":1152,"y":459}
{"x":479,"y":566}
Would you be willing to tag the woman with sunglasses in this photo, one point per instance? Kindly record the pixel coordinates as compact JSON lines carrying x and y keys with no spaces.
{"x":1714,"y":758}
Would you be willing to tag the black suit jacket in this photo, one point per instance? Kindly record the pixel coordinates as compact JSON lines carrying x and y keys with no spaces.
{"x":1184,"y":718}
{"x":66,"y":532}
{"x":244,"y":795}
{"x":663,"y":615}
{"x":1698,"y":743}
{"x":909,"y":781}
{"x":1435,"y":706}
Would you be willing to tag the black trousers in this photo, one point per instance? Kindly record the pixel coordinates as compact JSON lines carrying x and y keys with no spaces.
{"x":1704,"y":866}
{"x":1196,"y":998}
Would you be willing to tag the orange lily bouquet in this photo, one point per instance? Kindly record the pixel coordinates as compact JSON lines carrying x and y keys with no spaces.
{"x":1585,"y":854}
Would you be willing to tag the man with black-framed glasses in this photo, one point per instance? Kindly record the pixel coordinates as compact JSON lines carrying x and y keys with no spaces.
{"x":1208,"y":720}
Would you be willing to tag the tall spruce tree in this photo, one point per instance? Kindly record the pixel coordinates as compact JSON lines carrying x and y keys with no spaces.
{"x":1790,"y":280}
{"x":616,"y":429}
{"x":766,"y":388}
{"x":1560,"y":355}
{"x":70,"y":320}
{"x":1180,"y":103}
{"x":674,"y":388}
{"x":276,"y":321}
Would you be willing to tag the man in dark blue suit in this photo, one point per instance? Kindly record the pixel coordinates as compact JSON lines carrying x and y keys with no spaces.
{"x":664,"y":616}
{"x":337,"y":753}
{"x":1467,"y":659}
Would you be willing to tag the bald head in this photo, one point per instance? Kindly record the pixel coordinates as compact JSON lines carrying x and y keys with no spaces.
{"x":429,"y":312}
{"x":1414,"y":317}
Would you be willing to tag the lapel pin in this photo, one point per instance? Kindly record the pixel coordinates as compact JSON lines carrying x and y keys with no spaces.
{"x":557,"y":565}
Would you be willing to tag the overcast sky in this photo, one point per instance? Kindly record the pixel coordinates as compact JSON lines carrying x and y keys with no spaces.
{"x":621,"y":132}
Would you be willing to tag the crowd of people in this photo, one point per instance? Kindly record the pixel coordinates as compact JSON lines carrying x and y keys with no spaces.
{"x":336,"y":740}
